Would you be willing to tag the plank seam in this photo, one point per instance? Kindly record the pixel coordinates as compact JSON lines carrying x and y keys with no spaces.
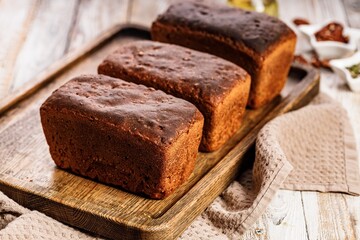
{"x":12,"y":55}
{"x":303,"y":209}
{"x":72,"y":26}
{"x":353,"y":227}
{"x":346,"y":13}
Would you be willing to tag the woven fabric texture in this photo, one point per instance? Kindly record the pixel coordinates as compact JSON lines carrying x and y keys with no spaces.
{"x":313,"y":148}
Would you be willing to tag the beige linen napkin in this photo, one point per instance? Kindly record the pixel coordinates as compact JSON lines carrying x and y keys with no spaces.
{"x":309,"y":149}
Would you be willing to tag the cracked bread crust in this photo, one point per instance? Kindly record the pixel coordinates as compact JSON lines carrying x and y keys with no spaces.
{"x":218,"y":88}
{"x":255,"y":31}
{"x":262,"y":45}
{"x":123,"y":134}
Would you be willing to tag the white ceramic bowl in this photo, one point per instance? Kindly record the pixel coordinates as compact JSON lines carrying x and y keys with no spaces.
{"x":332,"y":49}
{"x":339,"y":67}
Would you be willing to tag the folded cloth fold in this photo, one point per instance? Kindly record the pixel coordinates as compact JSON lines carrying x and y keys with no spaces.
{"x":312,"y":148}
{"x":9,"y":210}
{"x":319,"y":143}
{"x":18,"y":223}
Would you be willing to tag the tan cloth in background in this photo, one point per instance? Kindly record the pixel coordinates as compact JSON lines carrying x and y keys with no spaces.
{"x":309,"y":149}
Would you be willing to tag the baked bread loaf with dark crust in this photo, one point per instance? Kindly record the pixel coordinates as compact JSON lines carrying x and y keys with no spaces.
{"x":262,"y":45}
{"x":218,"y":88}
{"x":124,"y":134}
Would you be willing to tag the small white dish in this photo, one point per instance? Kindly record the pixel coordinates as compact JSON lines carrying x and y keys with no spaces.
{"x":331,"y":49}
{"x":339,"y":67}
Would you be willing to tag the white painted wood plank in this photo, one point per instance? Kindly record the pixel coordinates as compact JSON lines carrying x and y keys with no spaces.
{"x":258,"y":232}
{"x":352,"y":9}
{"x":329,"y":10}
{"x":316,"y":11}
{"x":334,"y":217}
{"x":45,"y":41}
{"x":288,"y":11}
{"x":94,"y":17}
{"x":311,"y":209}
{"x":15,"y":18}
{"x":145,"y":12}
{"x":353,"y":204}
{"x":284,"y":219}
{"x":286,"y":216}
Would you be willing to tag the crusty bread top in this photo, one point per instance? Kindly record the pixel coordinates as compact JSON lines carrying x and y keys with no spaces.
{"x":257,"y":31}
{"x":195,"y":76}
{"x":141,"y":111}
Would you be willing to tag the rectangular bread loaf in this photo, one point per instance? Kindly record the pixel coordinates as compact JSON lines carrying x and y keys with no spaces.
{"x":218,"y":88}
{"x":121,"y":133}
{"x":261,"y":44}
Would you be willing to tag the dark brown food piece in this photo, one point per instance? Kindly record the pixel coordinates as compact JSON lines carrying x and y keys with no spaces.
{"x":316,"y":62}
{"x":218,"y":88}
{"x":332,"y":32}
{"x":300,"y":59}
{"x":123,"y":134}
{"x":300,"y":21}
{"x":260,"y":44}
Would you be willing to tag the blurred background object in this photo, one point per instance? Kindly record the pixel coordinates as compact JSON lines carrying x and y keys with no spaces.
{"x":269,"y":7}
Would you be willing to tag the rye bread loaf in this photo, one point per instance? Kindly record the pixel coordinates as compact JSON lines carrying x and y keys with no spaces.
{"x":121,"y":133}
{"x":261,"y":44}
{"x":218,"y":88}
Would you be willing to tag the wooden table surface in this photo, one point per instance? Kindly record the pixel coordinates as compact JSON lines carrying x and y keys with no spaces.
{"x":36,"y":33}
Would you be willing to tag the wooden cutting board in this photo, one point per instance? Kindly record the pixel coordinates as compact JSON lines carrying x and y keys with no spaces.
{"x":29,"y":176}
